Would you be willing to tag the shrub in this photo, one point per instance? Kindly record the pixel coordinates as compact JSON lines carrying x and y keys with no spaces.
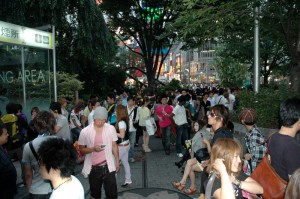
{"x":266,"y":103}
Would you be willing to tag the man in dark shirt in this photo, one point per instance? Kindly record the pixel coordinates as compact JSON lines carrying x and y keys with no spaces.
{"x":284,"y":149}
{"x":8,"y":173}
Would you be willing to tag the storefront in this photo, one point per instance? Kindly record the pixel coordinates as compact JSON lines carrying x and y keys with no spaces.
{"x":26,"y":67}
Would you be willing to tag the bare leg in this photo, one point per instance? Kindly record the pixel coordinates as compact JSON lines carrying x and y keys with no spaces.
{"x":187,"y":169}
{"x":146,"y":139}
{"x":194,"y":168}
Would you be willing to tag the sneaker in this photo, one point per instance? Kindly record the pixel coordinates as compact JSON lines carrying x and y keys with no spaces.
{"x":132,"y":160}
{"x":126,"y":184}
{"x":136,"y":144}
{"x":179,"y":155}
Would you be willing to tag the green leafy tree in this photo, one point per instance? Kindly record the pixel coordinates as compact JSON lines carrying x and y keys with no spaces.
{"x":68,"y":84}
{"x":84,"y":44}
{"x":231,"y":72}
{"x":145,"y":23}
{"x":230,"y":20}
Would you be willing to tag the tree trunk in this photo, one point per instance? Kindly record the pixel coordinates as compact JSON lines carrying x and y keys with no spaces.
{"x":151,"y":82}
{"x":295,"y":77}
{"x":266,"y":76}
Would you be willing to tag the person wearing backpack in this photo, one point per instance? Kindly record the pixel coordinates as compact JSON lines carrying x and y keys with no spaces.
{"x":112,"y":118}
{"x":15,"y":140}
{"x":44,"y":122}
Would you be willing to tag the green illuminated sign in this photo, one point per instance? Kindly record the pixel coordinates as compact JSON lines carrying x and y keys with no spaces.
{"x":153,"y":13}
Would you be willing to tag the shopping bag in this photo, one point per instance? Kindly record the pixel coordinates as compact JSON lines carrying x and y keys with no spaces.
{"x":151,"y":126}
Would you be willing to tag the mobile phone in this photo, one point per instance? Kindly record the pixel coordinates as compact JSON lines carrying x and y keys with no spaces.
{"x":103,"y":145}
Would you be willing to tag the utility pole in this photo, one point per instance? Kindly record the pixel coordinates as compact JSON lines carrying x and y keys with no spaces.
{"x":256,"y":50}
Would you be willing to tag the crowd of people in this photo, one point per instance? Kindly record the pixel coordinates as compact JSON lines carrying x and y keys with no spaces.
{"x":197,"y":123}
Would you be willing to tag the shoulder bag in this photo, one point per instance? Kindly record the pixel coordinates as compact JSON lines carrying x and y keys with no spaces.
{"x":201,"y":154}
{"x":274,"y":186}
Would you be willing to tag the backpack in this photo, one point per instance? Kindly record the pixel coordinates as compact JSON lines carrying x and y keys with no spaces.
{"x":112,"y":118}
{"x":15,"y":138}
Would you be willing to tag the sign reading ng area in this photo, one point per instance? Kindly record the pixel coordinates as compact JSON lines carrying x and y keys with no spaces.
{"x":20,"y":35}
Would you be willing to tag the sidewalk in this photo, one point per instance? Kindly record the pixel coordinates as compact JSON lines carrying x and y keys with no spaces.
{"x":151,"y":170}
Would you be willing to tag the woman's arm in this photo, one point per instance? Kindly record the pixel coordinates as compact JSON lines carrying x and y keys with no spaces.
{"x":251,"y":186}
{"x":75,"y":123}
{"x":226,"y":190}
{"x":207,"y":143}
{"x":121,"y":133}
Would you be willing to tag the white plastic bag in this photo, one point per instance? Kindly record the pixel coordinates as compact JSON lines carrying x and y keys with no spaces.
{"x":151,"y":126}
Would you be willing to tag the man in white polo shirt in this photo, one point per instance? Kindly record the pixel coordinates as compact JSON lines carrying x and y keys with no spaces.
{"x":179,"y":117}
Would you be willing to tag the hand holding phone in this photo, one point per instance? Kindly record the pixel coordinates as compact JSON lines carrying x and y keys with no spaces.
{"x":103,"y":146}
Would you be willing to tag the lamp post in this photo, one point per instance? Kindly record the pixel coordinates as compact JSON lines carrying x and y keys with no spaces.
{"x":256,"y":50}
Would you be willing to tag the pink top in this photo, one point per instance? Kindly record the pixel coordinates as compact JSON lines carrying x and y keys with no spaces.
{"x":163,"y":114}
{"x":98,"y":157}
{"x":87,"y":138}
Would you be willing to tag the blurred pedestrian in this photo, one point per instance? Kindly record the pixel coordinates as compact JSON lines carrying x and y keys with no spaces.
{"x":44,"y":123}
{"x":283,"y":147}
{"x":8,"y":173}
{"x":57,"y":160}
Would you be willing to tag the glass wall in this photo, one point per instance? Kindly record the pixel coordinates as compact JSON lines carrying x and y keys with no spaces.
{"x":36,"y":88}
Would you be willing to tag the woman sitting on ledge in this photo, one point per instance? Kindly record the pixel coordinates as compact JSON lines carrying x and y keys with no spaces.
{"x":200,"y":140}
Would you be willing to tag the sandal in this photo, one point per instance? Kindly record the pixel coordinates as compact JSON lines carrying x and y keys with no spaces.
{"x":178,"y":185}
{"x":190,"y":191}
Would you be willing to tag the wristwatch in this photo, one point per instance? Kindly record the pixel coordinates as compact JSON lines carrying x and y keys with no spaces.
{"x":238,"y":183}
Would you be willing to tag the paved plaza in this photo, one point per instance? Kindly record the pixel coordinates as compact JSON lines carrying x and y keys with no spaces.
{"x":153,"y":170}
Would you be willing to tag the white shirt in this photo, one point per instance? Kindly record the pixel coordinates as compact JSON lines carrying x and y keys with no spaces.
{"x":232,"y":100}
{"x":72,"y":189}
{"x":122,"y":125}
{"x":131,"y":116}
{"x":221,"y":100}
{"x":76,"y":117}
{"x":212,"y":101}
{"x":179,"y":115}
{"x":91,"y":117}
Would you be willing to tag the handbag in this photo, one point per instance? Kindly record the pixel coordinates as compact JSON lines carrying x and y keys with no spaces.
{"x":201,"y":154}
{"x":274,"y":186}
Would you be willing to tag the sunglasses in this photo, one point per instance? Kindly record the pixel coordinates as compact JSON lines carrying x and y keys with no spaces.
{"x":211,"y":114}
